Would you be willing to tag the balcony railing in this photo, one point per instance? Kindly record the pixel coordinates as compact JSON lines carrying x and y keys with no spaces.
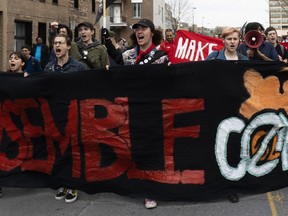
{"x":118,"y":21}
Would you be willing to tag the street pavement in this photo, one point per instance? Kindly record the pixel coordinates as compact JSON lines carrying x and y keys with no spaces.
{"x":30,"y":202}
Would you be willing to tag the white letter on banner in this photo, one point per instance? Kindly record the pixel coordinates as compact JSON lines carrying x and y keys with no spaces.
{"x":181,"y":49}
{"x":191,"y":48}
{"x":210,"y":48}
{"x":263,"y":119}
{"x":200,"y":51}
{"x":284,"y":154}
{"x":224,"y":129}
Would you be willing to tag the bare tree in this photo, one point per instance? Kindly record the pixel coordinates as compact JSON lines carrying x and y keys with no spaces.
{"x":218,"y":30}
{"x":180,"y":12}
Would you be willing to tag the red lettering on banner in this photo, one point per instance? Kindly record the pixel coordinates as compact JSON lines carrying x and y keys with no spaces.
{"x":97,"y":130}
{"x":70,"y":135}
{"x":15,"y":134}
{"x":30,"y":131}
{"x":172,"y":107}
{"x":111,"y":128}
{"x":23,"y":138}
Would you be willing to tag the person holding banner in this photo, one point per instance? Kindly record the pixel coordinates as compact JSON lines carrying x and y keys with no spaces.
{"x":262,"y":50}
{"x":17,"y":63}
{"x":145,"y":38}
{"x":231,"y":41}
{"x":64,"y":64}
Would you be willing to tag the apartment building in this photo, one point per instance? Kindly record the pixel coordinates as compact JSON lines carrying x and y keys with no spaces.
{"x":122,"y":14}
{"x":21,"y":21}
{"x":278,"y":15}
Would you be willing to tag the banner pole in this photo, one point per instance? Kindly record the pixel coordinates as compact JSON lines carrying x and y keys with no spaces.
{"x":104,"y":13}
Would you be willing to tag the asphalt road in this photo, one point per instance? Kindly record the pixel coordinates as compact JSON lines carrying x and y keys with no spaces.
{"x":29,"y":202}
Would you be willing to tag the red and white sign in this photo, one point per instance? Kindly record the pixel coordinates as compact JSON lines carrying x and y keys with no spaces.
{"x":190,"y":46}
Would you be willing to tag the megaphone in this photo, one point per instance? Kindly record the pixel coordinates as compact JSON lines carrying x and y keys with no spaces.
{"x":253,"y":39}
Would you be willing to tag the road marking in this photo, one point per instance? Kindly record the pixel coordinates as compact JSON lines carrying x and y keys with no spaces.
{"x":272,"y":204}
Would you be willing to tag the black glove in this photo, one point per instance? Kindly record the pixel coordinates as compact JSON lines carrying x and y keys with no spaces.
{"x":105,"y":33}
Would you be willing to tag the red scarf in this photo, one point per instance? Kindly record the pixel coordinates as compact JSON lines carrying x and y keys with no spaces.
{"x":141,"y":53}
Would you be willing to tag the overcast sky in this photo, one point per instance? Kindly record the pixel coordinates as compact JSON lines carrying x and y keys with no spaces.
{"x":229,"y":12}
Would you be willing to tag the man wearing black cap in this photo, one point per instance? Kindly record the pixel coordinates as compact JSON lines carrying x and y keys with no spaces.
{"x":89,"y":50}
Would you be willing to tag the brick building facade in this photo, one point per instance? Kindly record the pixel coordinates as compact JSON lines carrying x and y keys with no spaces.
{"x":21,"y":21}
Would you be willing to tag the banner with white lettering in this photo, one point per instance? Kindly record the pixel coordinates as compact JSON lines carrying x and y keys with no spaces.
{"x":191,"y":131}
{"x":190,"y":46}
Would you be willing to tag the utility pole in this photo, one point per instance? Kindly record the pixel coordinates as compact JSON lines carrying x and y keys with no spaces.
{"x":202,"y":25}
{"x":193,"y":8}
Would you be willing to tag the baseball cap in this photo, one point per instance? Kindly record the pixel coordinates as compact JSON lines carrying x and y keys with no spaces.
{"x":87,"y":24}
{"x":145,"y":23}
{"x":112,"y":34}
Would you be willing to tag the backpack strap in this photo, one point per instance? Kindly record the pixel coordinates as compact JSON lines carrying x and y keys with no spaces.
{"x":85,"y":57}
{"x":282,"y":50}
{"x":33,"y":60}
{"x":216,"y":55}
{"x":147,"y":59}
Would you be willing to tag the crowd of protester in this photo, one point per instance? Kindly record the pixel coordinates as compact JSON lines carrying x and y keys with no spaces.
{"x":146,"y":46}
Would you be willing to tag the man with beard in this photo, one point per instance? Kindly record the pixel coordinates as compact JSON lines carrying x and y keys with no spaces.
{"x":168,"y":45}
{"x":89,"y":51}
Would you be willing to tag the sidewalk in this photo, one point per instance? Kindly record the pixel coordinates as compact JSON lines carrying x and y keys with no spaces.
{"x":41,"y":202}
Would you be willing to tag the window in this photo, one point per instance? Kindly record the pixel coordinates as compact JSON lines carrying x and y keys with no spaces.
{"x":42,"y":1}
{"x":137,"y":10}
{"x":93,"y":6}
{"x":76,"y":4}
{"x":42,"y":31}
{"x":23,"y":34}
{"x":55,"y":2}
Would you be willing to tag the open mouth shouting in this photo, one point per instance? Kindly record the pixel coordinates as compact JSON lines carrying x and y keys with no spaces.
{"x":58,"y":52}
{"x":84,"y":37}
{"x":60,"y":47}
{"x":13,"y":66}
{"x":140,"y":39}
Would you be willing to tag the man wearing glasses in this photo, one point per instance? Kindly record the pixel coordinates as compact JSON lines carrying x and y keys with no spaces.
{"x":63,"y":62}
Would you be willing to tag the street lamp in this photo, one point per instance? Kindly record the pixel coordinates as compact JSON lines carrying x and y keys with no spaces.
{"x":193,"y":8}
{"x":202,"y":25}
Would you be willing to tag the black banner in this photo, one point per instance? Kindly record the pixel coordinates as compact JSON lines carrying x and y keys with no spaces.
{"x":191,"y":131}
